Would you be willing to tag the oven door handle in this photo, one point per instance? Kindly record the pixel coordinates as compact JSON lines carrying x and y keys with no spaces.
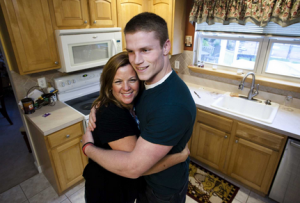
{"x":114,"y":49}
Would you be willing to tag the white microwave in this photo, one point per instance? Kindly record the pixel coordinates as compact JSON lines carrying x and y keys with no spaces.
{"x":80,"y":49}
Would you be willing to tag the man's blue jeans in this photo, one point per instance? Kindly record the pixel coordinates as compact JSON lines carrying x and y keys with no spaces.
{"x":150,"y":197}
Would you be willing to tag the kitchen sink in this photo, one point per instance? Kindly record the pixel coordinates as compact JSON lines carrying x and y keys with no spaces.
{"x":255,"y":109}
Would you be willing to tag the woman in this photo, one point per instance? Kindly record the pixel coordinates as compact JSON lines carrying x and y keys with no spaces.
{"x":117,"y":129}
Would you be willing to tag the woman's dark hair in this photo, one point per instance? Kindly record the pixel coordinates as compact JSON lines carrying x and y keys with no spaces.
{"x":107,"y":77}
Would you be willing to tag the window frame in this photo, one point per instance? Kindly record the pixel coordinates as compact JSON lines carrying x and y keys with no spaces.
{"x":263,"y":52}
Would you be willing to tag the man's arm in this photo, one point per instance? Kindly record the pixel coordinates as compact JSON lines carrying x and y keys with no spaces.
{"x":128,"y":164}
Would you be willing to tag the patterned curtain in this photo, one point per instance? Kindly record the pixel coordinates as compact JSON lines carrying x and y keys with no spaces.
{"x":259,"y":12}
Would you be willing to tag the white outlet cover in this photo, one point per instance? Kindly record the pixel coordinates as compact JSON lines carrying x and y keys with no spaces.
{"x":177,"y":64}
{"x":42,"y":82}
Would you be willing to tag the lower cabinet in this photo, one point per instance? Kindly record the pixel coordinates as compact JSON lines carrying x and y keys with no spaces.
{"x":244,"y":152}
{"x":210,"y":145}
{"x":60,"y":156}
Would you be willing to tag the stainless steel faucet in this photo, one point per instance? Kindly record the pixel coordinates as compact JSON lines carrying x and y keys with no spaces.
{"x":253,"y":91}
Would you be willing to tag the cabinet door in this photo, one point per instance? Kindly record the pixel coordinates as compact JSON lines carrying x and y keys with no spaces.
{"x":126,"y":10}
{"x":164,"y":9}
{"x":103,"y":13}
{"x":209,"y":146}
{"x":69,"y":163}
{"x":31,"y":34}
{"x":70,"y":13}
{"x":252,"y":164}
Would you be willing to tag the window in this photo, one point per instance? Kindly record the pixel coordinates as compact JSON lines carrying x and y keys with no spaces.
{"x":256,"y":51}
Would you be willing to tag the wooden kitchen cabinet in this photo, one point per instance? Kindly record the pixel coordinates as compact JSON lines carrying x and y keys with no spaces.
{"x":173,"y":12}
{"x":255,"y":156}
{"x":210,"y":146}
{"x":31,"y":33}
{"x":83,"y":13}
{"x":60,"y":156}
{"x":211,"y":139}
{"x":244,"y":152}
{"x":126,"y":10}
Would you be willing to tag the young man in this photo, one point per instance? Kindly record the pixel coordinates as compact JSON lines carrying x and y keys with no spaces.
{"x":166,"y":111}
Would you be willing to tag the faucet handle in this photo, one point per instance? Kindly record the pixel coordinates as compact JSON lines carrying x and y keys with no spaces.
{"x":241,"y":86}
{"x":257,"y":87}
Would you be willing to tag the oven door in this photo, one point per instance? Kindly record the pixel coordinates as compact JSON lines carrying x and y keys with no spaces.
{"x":79,"y":52}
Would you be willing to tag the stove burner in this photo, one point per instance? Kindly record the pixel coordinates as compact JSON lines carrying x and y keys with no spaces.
{"x":87,"y":106}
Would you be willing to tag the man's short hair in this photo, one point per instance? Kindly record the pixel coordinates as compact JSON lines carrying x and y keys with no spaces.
{"x":148,"y":22}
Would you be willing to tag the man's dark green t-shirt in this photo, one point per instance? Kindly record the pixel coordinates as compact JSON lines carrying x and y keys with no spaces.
{"x":167,"y":114}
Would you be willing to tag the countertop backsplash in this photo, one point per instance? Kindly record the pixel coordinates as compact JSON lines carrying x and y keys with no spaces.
{"x":186,"y":58}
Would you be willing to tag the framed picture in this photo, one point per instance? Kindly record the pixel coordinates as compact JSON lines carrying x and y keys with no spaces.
{"x":188,"y":41}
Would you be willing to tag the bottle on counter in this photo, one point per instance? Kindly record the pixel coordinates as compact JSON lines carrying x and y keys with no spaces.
{"x":200,"y":64}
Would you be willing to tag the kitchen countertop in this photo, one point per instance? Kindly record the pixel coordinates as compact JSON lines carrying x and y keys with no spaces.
{"x":61,"y":116}
{"x":286,"y":121}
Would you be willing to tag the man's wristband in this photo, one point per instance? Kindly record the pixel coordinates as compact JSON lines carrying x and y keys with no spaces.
{"x":85,"y":145}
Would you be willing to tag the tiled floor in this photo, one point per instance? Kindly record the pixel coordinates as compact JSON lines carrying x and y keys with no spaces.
{"x":38,"y":190}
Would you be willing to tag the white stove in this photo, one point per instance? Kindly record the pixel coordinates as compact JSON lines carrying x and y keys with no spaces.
{"x":79,"y":90}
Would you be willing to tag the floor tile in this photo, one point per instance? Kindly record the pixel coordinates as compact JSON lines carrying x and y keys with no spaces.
{"x":242,"y":194}
{"x":13,"y":195}
{"x":66,"y":201}
{"x":78,"y":197}
{"x":47,"y":196}
{"x":255,"y":198}
{"x":189,"y":200}
{"x":235,"y":201}
{"x":75,"y":189}
{"x":34,"y":185}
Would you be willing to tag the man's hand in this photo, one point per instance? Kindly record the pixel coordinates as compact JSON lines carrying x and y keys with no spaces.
{"x":87,"y":137}
{"x":92,"y":119}
{"x":185,"y":153}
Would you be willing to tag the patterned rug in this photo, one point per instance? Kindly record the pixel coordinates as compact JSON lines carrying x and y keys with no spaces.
{"x":207,"y":187}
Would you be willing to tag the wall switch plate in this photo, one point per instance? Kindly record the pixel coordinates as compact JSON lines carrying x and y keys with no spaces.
{"x":177,"y":64}
{"x":42,"y":82}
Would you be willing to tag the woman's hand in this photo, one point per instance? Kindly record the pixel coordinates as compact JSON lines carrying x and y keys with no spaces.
{"x":87,"y":137}
{"x":92,"y":119}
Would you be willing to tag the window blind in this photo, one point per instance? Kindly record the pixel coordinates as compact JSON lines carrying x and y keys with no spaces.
{"x":271,"y":28}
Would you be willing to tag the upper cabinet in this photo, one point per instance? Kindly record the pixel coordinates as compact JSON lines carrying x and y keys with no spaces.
{"x":126,"y":10}
{"x":83,"y":13}
{"x":172,"y":11}
{"x":31,"y":33}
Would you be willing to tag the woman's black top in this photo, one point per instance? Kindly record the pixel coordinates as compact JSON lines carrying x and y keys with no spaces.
{"x":112,"y":123}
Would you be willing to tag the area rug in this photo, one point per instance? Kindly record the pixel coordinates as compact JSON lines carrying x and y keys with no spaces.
{"x":206,"y":187}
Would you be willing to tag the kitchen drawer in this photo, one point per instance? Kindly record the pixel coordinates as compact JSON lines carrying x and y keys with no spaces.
{"x":213,"y":120}
{"x":259,"y":136}
{"x":65,"y":135}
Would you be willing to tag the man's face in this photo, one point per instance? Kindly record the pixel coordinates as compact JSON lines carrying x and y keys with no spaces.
{"x":146,"y":56}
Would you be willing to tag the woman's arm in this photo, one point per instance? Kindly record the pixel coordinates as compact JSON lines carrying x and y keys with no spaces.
{"x":168,"y":161}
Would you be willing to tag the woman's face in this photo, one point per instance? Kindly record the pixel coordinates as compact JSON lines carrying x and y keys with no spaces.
{"x":125,"y":85}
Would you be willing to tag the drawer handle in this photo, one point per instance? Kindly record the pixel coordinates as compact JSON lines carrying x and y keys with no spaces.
{"x":67,"y":136}
{"x":225,"y":136}
{"x":236,"y":141}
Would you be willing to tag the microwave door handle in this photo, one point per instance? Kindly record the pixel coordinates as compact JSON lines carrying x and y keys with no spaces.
{"x":114,"y":50}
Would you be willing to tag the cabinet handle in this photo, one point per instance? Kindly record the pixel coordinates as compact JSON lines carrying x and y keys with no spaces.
{"x":225,"y":136}
{"x":67,"y":136}
{"x":81,"y":141}
{"x":95,"y":22}
{"x":56,"y":62}
{"x":236,"y":141}
{"x":85,"y":22}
